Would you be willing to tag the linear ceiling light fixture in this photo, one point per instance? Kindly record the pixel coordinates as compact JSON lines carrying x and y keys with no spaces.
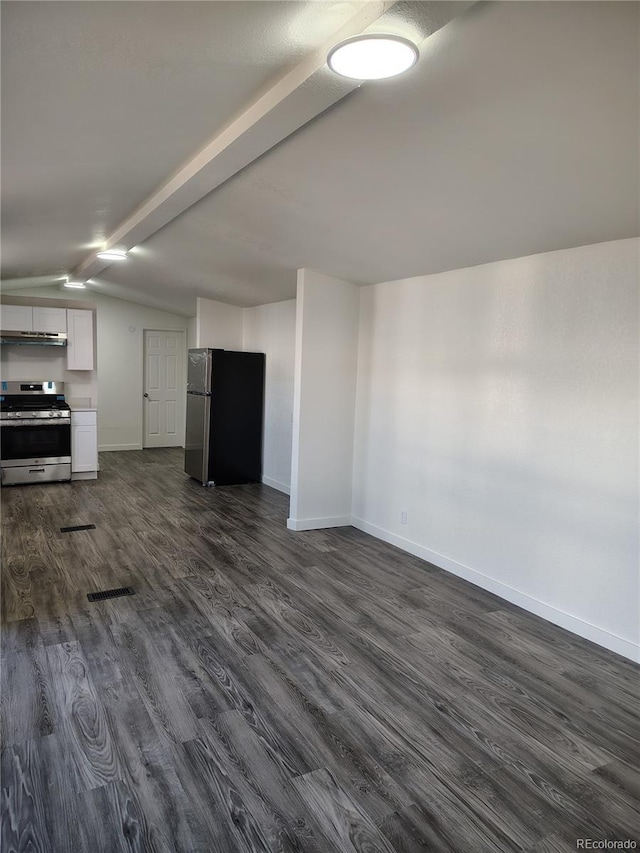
{"x":372,"y":56}
{"x":115,"y":254}
{"x":75,"y":285}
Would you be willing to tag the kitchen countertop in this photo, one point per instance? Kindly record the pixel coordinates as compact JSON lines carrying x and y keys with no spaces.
{"x":81,"y":404}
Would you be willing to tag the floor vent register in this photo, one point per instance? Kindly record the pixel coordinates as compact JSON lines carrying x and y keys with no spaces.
{"x":110,"y":593}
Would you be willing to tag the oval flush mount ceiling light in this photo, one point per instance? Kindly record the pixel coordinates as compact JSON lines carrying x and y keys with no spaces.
{"x":112,"y":255}
{"x":372,"y":56}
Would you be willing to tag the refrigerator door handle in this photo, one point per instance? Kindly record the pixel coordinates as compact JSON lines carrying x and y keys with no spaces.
{"x":209,"y":375}
{"x":207,"y":430}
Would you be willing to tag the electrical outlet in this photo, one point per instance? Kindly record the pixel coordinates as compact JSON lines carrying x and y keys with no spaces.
{"x":403,"y":516}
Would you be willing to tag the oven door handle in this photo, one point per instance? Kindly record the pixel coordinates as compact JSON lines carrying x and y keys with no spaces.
{"x":37,"y":422}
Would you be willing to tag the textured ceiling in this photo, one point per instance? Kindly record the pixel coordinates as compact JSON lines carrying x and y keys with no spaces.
{"x":516,"y":133}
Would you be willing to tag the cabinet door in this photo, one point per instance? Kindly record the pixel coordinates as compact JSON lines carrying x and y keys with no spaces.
{"x":80,"y":339}
{"x":49,"y":319}
{"x":84,"y":448}
{"x":16,"y":318}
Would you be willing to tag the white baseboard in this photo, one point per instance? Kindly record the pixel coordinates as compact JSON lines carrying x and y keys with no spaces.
{"x":107,"y":447}
{"x":276,"y":484}
{"x":84,"y":475}
{"x":597,"y":635}
{"x":318,"y":523}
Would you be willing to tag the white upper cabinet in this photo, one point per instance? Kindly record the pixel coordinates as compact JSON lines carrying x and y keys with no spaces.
{"x":17,"y":318}
{"x":25,"y":318}
{"x":76,"y":322}
{"x":49,"y":319}
{"x":80,"y":339}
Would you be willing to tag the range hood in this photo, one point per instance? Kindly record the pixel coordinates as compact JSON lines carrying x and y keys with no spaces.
{"x":50,"y":339}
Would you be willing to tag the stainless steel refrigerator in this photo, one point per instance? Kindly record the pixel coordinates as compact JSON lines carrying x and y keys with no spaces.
{"x":225,"y":403}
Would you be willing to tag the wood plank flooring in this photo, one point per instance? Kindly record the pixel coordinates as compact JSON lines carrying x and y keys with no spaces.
{"x":273,"y":691}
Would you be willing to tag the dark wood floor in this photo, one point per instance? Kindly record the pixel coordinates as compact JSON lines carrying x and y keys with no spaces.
{"x":275,"y":691}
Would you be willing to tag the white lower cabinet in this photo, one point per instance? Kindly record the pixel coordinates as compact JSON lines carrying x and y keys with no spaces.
{"x":84,"y":442}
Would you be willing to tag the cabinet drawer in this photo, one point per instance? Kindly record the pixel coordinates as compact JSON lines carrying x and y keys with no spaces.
{"x":84,"y":418}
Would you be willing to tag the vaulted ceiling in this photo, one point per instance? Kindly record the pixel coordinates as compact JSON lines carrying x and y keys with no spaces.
{"x":211,"y":139}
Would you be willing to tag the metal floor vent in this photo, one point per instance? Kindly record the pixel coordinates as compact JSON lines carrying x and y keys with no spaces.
{"x":110,"y":593}
{"x":77,"y":527}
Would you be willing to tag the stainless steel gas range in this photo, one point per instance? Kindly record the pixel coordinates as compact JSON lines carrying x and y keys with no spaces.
{"x":35,"y":433}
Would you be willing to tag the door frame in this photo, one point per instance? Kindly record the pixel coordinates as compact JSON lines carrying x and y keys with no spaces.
{"x":181,"y":378}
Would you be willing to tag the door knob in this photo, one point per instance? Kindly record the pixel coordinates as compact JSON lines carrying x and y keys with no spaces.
{"x":145,"y":394}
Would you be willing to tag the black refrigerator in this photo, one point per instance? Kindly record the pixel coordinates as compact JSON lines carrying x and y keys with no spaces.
{"x":225,"y":403}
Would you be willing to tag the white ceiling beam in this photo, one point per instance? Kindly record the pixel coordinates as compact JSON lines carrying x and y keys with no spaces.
{"x":290,"y":102}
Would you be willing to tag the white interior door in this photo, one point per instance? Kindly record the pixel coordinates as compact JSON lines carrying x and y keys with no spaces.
{"x":163,"y":388}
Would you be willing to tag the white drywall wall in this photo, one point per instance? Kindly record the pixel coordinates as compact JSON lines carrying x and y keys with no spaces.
{"x":271,"y":329}
{"x":498,"y":407}
{"x":327,"y":315}
{"x":192,"y":334}
{"x":120,"y":375}
{"x":120,"y":327}
{"x":218,"y":325}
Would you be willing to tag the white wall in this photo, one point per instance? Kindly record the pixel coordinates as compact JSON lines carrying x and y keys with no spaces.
{"x":271,"y":329}
{"x":120,"y":327}
{"x":218,"y":325}
{"x":192,"y":332}
{"x":498,"y":406}
{"x":323,"y":401}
